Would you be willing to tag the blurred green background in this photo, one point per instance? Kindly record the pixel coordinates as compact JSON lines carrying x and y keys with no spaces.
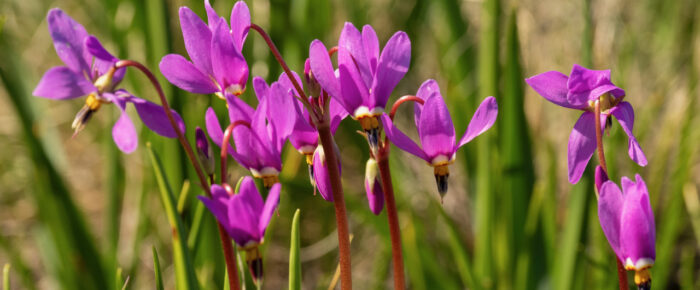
{"x":75,"y":213}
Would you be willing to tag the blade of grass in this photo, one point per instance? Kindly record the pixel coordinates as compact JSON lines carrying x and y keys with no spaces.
{"x":184,"y":268}
{"x":294,"y":259}
{"x":488,"y":85}
{"x":156,"y":268}
{"x":459,"y":252}
{"x":6,"y":277}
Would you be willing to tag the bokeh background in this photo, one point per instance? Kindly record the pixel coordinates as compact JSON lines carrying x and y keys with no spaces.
{"x":75,"y":213}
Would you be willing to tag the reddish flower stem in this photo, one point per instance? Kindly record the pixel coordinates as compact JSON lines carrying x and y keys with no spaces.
{"x":322,"y":122}
{"x":225,"y":241}
{"x":224,"y":147}
{"x":341,"y":218}
{"x":392,"y":216}
{"x":621,"y":272}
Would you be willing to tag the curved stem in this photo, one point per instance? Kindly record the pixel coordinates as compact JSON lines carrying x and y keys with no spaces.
{"x":341,"y":217}
{"x":225,"y":241}
{"x":283,"y":64}
{"x":621,"y":272}
{"x":392,"y":216}
{"x":224,"y":146}
{"x":402,"y":100}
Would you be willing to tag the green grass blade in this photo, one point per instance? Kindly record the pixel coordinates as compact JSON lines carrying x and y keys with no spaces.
{"x":294,"y":259}
{"x":156,"y":268}
{"x":6,"y":277}
{"x":459,"y":252}
{"x":488,"y":85}
{"x":184,"y":268}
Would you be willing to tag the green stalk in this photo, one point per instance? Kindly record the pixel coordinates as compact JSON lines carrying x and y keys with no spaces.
{"x":294,"y":258}
{"x":6,"y":277}
{"x":184,"y":268}
{"x":156,"y":268}
{"x":488,"y":86}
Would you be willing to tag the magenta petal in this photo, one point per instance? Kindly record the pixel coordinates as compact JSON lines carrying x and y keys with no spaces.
{"x":354,"y":53}
{"x":483,"y":119}
{"x":637,"y":236}
{"x":393,"y":65}
{"x":228,"y":65}
{"x":582,"y":144}
{"x":124,"y":132}
{"x":624,"y":114}
{"x":322,"y":68}
{"x":154,"y":117}
{"x":321,"y":175}
{"x":273,"y":199}
{"x":212,"y":17}
{"x":400,"y":139}
{"x":183,"y":74}
{"x":243,"y":217}
{"x":68,"y":36}
{"x":610,"y":205}
{"x":437,"y":133}
{"x":103,"y":59}
{"x":217,"y":136}
{"x":353,"y":89}
{"x":375,"y":196}
{"x":586,"y":85}
{"x":283,"y":114}
{"x":600,"y":177}
{"x":551,"y":85}
{"x":371,"y":44}
{"x":61,"y":83}
{"x":238,"y":109}
{"x":197,"y":37}
{"x":240,"y":23}
{"x":426,"y":90}
{"x":337,"y":113}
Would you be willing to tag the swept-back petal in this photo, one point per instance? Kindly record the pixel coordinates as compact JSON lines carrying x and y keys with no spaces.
{"x":624,"y":113}
{"x":610,"y":205}
{"x":273,"y":199}
{"x":283,"y":114}
{"x":437,"y":133}
{"x":229,"y":67}
{"x":68,"y":36}
{"x":62,"y":83}
{"x":586,"y":85}
{"x":322,"y":68}
{"x":646,"y":206}
{"x":582,"y":144}
{"x":354,"y":92}
{"x":212,"y":17}
{"x":337,"y":113}
{"x":321,"y":175}
{"x":393,"y":65}
{"x":217,"y":136}
{"x":240,"y":23}
{"x":354,"y":50}
{"x":371,"y":44}
{"x":552,"y":85}
{"x":483,"y":119}
{"x":123,"y":132}
{"x":197,"y":37}
{"x":103,"y":60}
{"x":154,"y":117}
{"x":183,"y":74}
{"x":400,"y":139}
{"x":637,"y":237}
{"x":427,"y":88}
{"x":243,"y":218}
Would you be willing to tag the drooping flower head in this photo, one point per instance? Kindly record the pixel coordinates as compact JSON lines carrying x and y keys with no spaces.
{"x":373,"y":187}
{"x":217,"y":65}
{"x":244,"y":216}
{"x":365,"y":77}
{"x":436,"y":131}
{"x":258,"y":143}
{"x":628,"y":223}
{"x":87,"y":72}
{"x":580,"y":90}
{"x":204,"y":151}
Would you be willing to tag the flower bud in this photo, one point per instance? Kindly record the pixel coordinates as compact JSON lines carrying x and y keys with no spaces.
{"x":600,"y":177}
{"x":312,"y":84}
{"x":373,"y":187}
{"x":204,"y":151}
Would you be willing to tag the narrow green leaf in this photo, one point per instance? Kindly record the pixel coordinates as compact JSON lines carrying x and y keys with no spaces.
{"x":6,"y":277}
{"x":184,"y":268}
{"x":156,"y":268}
{"x":182,"y":198}
{"x":196,"y":226}
{"x":294,"y":258}
{"x":118,"y":279}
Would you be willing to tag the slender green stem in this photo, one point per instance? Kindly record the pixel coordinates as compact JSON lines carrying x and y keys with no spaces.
{"x":621,"y":273}
{"x":225,"y":242}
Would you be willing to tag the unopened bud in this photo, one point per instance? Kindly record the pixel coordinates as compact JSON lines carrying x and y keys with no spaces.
{"x":204,"y":151}
{"x":104,"y":82}
{"x":600,"y":178}
{"x":312,"y":84}
{"x":373,"y":187}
